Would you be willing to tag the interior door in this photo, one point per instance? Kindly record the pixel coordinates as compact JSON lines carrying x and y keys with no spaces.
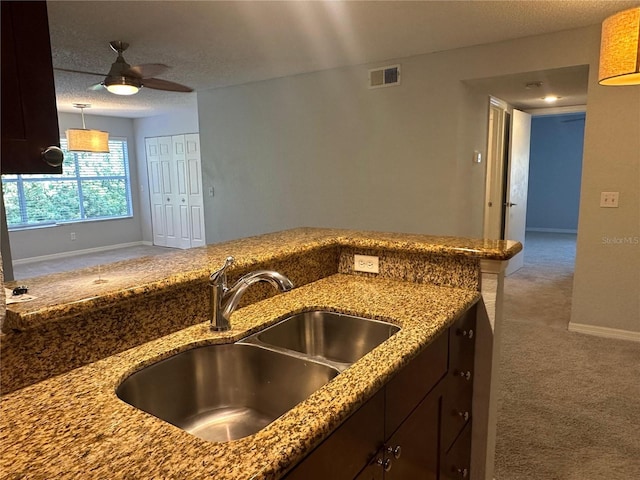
{"x":194,"y":190}
{"x":517,"y":184}
{"x":156,"y":196}
{"x":183,"y":223}
{"x":168,"y":187}
{"x":493,"y":216}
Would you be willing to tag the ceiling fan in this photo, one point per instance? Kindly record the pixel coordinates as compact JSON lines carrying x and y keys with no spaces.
{"x":124,"y":79}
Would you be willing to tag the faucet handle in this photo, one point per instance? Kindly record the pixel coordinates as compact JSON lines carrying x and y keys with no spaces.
{"x":220,"y":276}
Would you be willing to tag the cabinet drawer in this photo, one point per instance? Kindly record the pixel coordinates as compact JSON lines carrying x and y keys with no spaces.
{"x":343,"y":454}
{"x":412,"y":383}
{"x":456,"y":462}
{"x":456,"y":414}
{"x":462,"y":340}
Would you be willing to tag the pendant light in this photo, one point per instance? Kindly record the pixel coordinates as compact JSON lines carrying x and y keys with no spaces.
{"x":83,"y":140}
{"x":620,"y":49}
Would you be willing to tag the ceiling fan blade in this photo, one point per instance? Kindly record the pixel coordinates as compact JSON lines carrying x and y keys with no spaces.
{"x":68,"y":70}
{"x":159,"y":84}
{"x":147,"y":70}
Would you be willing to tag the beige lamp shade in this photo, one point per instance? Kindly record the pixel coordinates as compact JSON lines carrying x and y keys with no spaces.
{"x":620,"y":49}
{"x":82,"y":140}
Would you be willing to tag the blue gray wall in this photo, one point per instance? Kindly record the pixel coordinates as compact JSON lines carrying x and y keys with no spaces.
{"x":555,"y":169}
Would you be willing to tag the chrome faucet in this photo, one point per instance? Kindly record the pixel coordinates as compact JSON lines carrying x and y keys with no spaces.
{"x":224,"y":300}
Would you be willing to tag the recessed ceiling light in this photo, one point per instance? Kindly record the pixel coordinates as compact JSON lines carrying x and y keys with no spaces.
{"x":551,"y":98}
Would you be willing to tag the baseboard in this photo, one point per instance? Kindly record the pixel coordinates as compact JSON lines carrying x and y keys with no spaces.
{"x":551,"y":230}
{"x":57,"y":256}
{"x":604,"y":332}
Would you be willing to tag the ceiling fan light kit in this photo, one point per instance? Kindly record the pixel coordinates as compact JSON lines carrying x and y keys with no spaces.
{"x":124,"y":79}
{"x":84,"y":140}
{"x":620,"y":49}
{"x":121,"y":85}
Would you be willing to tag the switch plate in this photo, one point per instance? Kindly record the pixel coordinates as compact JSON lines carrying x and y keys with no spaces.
{"x":365,"y":263}
{"x":73,"y":236}
{"x":609,"y":199}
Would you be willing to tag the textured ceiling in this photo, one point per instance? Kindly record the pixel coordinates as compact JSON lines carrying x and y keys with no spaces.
{"x":213,"y":44}
{"x":527,"y":90}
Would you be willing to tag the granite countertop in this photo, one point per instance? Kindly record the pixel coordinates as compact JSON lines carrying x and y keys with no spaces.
{"x":73,"y":425}
{"x":66,"y":294}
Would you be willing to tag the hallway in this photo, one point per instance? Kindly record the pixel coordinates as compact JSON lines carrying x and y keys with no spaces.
{"x":568,"y":402}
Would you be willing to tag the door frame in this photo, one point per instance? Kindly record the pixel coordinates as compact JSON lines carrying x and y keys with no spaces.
{"x":493,"y":226}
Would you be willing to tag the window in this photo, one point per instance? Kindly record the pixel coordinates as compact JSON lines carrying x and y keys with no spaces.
{"x":93,"y":186}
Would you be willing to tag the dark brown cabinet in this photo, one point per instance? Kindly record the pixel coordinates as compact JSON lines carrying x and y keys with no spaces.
{"x":418,"y":426}
{"x":29,"y":116}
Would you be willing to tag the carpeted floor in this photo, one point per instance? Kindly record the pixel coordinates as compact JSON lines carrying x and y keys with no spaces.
{"x":65,"y":264}
{"x":569,"y":404}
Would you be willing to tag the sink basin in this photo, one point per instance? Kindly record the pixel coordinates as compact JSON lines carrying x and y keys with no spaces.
{"x":333,"y":338}
{"x":223,"y":392}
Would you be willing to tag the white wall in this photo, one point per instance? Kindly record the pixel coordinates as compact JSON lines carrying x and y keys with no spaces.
{"x":323,"y":150}
{"x":176,"y":123}
{"x":52,"y":240}
{"x":606,"y":288}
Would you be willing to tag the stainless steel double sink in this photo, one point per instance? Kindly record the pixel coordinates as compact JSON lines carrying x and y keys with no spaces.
{"x":225,"y":392}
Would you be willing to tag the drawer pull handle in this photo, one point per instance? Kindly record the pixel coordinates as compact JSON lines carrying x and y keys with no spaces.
{"x":464,"y":415}
{"x":462,"y":472}
{"x":466,"y":333}
{"x":386,"y":464}
{"x":466,"y":375}
{"x":395,"y":451}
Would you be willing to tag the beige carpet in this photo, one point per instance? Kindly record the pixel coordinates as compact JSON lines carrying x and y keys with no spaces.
{"x":569,"y":404}
{"x":65,"y":264}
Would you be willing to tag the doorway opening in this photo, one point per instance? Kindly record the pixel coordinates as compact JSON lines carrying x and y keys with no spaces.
{"x":506,"y":189}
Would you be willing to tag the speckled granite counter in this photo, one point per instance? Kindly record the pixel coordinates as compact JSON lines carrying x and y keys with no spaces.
{"x":86,"y":315}
{"x":74,"y":426}
{"x":67,"y":294}
{"x":64,"y":354}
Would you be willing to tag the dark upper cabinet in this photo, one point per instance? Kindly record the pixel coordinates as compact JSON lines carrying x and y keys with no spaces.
{"x":29,"y":117}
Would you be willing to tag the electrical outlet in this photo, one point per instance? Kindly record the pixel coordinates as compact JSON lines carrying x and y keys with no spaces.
{"x":365,"y":263}
{"x":609,"y":199}
{"x":72,"y":235}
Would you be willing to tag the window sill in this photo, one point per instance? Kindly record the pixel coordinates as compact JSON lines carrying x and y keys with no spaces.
{"x":64,"y":224}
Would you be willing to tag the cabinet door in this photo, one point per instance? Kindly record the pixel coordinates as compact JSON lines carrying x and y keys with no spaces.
{"x":29,"y":116}
{"x":456,"y":462}
{"x":373,"y":471}
{"x":412,"y":383}
{"x":414,"y":448}
{"x":459,"y":384}
{"x":347,"y":450}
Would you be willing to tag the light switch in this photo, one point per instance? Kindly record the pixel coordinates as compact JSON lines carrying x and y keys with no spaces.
{"x":477,"y":157}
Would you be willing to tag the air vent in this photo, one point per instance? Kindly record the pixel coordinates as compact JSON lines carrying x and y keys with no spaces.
{"x":384,"y":77}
